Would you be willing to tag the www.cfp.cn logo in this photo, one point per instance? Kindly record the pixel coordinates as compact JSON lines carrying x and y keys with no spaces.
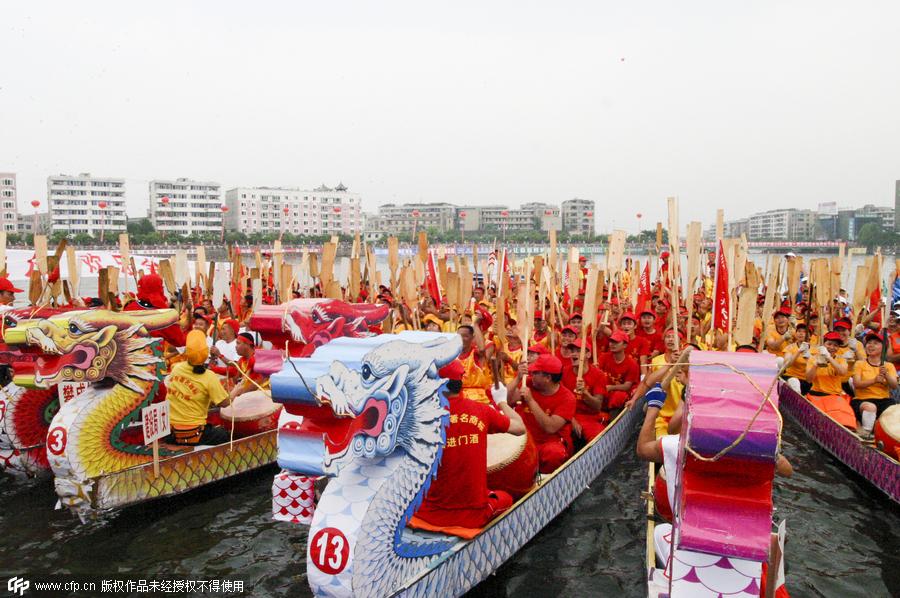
{"x":17,"y":585}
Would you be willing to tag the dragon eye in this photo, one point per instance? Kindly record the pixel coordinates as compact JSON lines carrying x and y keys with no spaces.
{"x":74,"y":329}
{"x":366,"y":371}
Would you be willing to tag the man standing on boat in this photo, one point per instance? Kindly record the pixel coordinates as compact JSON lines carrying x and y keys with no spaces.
{"x":459,"y":495}
{"x":547,"y":408}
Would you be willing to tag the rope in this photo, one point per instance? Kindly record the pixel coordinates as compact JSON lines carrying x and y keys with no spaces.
{"x":766,"y":399}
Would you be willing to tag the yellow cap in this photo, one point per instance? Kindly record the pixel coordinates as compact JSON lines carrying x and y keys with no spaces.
{"x":195,"y":348}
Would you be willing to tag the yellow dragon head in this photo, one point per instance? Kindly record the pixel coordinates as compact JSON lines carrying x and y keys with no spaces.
{"x":90,"y":346}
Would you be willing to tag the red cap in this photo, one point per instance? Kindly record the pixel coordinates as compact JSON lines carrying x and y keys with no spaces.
{"x":5,"y":285}
{"x":833,"y":336}
{"x":453,"y":370}
{"x":628,"y":316}
{"x":539,"y":349}
{"x":549,"y":364}
{"x":842,"y":324}
{"x":664,"y":255}
{"x":619,"y":336}
{"x":579,"y":343}
{"x":576,"y":314}
{"x":873,"y":335}
{"x":647,"y":312}
{"x":784,"y":311}
{"x":150,"y":290}
{"x":571,"y":329}
{"x":538,"y":315}
{"x":233,"y":324}
{"x":582,"y":258}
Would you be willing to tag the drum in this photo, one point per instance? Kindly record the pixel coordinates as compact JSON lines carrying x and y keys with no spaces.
{"x":512,"y":463}
{"x":887,"y":431}
{"x":251,"y":413}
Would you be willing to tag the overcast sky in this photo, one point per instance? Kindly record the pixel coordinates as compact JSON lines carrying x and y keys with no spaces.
{"x":746,"y":106}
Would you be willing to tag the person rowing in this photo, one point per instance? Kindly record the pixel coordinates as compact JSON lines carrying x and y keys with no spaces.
{"x":873,"y":380}
{"x":459,"y":495}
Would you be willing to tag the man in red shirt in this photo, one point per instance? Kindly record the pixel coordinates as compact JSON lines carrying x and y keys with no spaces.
{"x":622,"y":372}
{"x":590,"y":392}
{"x":567,"y":336}
{"x":547,"y":408}
{"x":648,"y":330}
{"x":638,"y":347}
{"x":245,"y":346}
{"x":459,"y":495}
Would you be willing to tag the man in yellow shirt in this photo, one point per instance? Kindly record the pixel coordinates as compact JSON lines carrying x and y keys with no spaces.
{"x":191,"y":389}
{"x":796,"y":357}
{"x":675,"y":391}
{"x":782,"y":335}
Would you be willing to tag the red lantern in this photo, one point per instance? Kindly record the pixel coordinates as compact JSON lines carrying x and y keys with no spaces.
{"x":588,"y":214}
{"x":639,"y":215}
{"x":337,"y":209}
{"x":415,"y":213}
{"x":286,"y":210}
{"x":223,"y":208}
{"x":504,"y":213}
{"x":165,"y":200}
{"x":35,"y":203}
{"x":102,"y":205}
{"x":548,"y":212}
{"x":462,"y":215}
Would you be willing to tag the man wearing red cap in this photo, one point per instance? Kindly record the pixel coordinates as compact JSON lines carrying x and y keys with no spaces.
{"x":246,"y":349}
{"x":638,"y":347}
{"x":567,"y":336}
{"x":7,"y":291}
{"x":150,"y":296}
{"x":622,"y":372}
{"x":541,"y":333}
{"x":547,"y":408}
{"x":590,"y":391}
{"x":459,"y":495}
{"x":782,"y":335}
{"x":649,"y":331}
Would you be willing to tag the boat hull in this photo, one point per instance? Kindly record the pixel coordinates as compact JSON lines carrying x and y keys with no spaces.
{"x":177,"y":474}
{"x":878,"y":468}
{"x":469,"y":563}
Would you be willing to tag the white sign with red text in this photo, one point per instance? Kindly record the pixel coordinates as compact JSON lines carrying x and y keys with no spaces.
{"x":156,"y":421}
{"x":69,"y":390}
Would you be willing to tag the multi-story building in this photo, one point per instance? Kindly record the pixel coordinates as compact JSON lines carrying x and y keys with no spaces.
{"x":403,"y":218}
{"x":27,"y":221}
{"x":9,"y":207}
{"x":788,"y":224}
{"x":897,"y":206}
{"x":86,"y":204}
{"x":185,"y":207}
{"x":321,"y":211}
{"x":578,"y":216}
{"x":881,"y":215}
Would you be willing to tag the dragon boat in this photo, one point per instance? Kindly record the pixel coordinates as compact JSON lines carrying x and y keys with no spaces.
{"x":25,"y":414}
{"x":719,"y":485}
{"x":93,"y":443}
{"x":370,"y":416}
{"x":881,"y":468}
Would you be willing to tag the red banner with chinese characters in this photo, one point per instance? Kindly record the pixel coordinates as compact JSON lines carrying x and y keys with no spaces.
{"x":721,"y":307}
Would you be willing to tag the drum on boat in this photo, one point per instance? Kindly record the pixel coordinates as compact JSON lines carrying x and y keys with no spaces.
{"x":887,"y":431}
{"x":512,"y":463}
{"x":251,"y":413}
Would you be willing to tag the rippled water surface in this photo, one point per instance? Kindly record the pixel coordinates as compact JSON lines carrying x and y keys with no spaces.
{"x":843,"y":537}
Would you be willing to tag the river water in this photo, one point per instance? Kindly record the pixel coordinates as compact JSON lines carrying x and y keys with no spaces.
{"x":843,"y":537}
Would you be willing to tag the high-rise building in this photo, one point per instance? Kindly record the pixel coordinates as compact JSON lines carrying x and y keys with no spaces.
{"x":578,"y":216}
{"x":185,"y":207}
{"x":9,"y":208}
{"x":321,"y":211}
{"x":86,"y":204}
{"x":788,"y":224}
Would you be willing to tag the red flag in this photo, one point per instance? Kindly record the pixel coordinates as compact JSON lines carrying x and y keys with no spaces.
{"x":875,"y":305}
{"x":721,"y":308}
{"x":644,"y":293}
{"x":432,"y":282}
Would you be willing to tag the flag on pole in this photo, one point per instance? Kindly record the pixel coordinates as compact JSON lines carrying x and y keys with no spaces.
{"x":644,"y":293}
{"x":721,"y":307}
{"x":432,"y":282}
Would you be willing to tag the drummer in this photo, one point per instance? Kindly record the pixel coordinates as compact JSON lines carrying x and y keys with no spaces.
{"x":459,"y":495}
{"x":251,"y":380}
{"x":192,"y":389}
{"x":873,"y":380}
{"x":547,"y":408}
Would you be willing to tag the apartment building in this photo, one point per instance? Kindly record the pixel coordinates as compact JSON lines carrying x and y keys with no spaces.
{"x":578,"y":216}
{"x":9,"y":208}
{"x":394,"y":218}
{"x":86,"y":204}
{"x":185,"y":207}
{"x":320,"y":211}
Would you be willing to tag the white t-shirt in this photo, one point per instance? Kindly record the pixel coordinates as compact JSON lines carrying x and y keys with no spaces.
{"x":228,"y":350}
